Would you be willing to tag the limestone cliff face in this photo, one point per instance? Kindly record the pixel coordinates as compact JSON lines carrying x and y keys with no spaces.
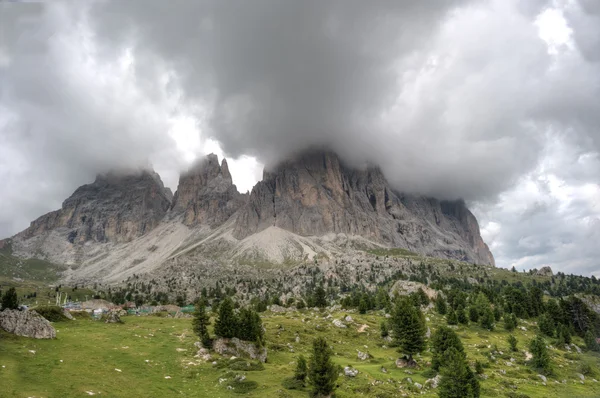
{"x":206,"y":194}
{"x":316,"y":194}
{"x":116,"y":208}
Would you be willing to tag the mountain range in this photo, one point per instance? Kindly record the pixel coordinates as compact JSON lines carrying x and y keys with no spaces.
{"x":310,"y":206}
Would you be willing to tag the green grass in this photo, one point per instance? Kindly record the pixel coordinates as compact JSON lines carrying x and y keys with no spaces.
{"x":148,"y":349}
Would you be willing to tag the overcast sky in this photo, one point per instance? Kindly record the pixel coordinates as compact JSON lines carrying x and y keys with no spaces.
{"x":496,"y":102}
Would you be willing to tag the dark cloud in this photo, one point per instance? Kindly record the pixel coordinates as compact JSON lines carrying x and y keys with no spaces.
{"x":452,"y":98}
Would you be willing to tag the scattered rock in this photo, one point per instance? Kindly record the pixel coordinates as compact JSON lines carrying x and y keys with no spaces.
{"x":528,"y":356}
{"x":363,"y":356}
{"x":418,"y":385}
{"x":113,"y":317}
{"x":383,"y":370}
{"x":348,"y":319}
{"x":581,"y":377}
{"x":239,"y":347}
{"x":277,"y":308}
{"x":544,"y":379}
{"x":350,"y":372}
{"x":239,"y":378}
{"x":434,"y":382}
{"x":67,"y":313}
{"x":27,"y":324}
{"x":338,"y":323}
{"x":405,"y":363}
{"x":405,"y":288}
{"x":363,"y":328}
{"x":576,"y":348}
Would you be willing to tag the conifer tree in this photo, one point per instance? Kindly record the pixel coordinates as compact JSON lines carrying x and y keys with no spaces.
{"x":200,"y":324}
{"x":301,"y":370}
{"x":440,"y":305}
{"x":362,"y":306}
{"x":510,"y":322}
{"x":409,"y":328}
{"x":486,"y":320}
{"x":546,"y":325}
{"x":10,"y":300}
{"x":458,"y":381}
{"x":541,"y":358}
{"x":512,"y":342}
{"x":451,"y":318}
{"x":384,"y":329}
{"x":590,"y":341}
{"x":322,"y":372}
{"x":320,"y":297}
{"x":473,"y":314}
{"x":441,"y":340}
{"x":462,"y":317}
{"x":226,"y":323}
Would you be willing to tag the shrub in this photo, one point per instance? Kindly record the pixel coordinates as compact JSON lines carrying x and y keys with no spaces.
{"x":291,"y":383}
{"x":52,"y":313}
{"x":541,"y":358}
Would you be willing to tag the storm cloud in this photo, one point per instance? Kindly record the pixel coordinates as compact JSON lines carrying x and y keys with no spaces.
{"x":467,"y":98}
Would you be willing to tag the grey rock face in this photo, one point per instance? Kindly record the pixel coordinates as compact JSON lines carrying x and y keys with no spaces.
{"x":240,"y":348}
{"x":316,"y":194}
{"x":115,"y":207}
{"x":544,"y":271}
{"x":113,"y":317}
{"x":206,"y":193}
{"x":27,"y":324}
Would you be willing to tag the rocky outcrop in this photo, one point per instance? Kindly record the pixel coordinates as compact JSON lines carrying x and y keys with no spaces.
{"x":114,"y":208}
{"x":240,"y":348}
{"x":27,"y":324}
{"x":405,"y":288}
{"x":316,"y":194}
{"x":113,"y":317}
{"x":206,"y":194}
{"x":544,"y":271}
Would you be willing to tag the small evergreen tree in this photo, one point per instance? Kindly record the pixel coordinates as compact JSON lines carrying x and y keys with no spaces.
{"x":486,"y":320}
{"x":497,"y":313}
{"x":591,"y":342}
{"x":443,"y":339}
{"x":546,"y":325}
{"x":440,"y":305}
{"x":541,"y":358}
{"x":462,"y":317}
{"x":510,"y":322}
{"x":362,"y":306}
{"x":409,"y":328}
{"x":384,"y":329}
{"x":458,"y":381}
{"x":301,"y":370}
{"x":512,"y":342}
{"x":322,"y":373}
{"x":451,"y":318}
{"x":563,"y":333}
{"x":226,"y":324}
{"x":320,"y":297}
{"x":249,"y":326}
{"x":473,"y":314}
{"x":200,"y":324}
{"x":479,"y":368}
{"x":10,"y":300}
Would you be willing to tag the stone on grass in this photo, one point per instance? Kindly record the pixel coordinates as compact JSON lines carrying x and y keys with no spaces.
{"x":350,"y":372}
{"x":239,"y":347}
{"x":433,"y":382}
{"x":113,"y":317}
{"x":339,"y":324}
{"x":27,"y":324}
{"x":363,"y":356}
{"x":544,"y":379}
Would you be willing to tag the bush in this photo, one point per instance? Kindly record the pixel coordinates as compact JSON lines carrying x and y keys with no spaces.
{"x":587,"y":369}
{"x":291,"y":383}
{"x":52,"y":313}
{"x":81,"y":315}
{"x":244,"y":386}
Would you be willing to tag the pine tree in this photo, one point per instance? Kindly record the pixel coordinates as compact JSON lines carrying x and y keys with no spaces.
{"x":384,"y":329}
{"x":473,"y":314}
{"x":510,"y":322}
{"x":563,"y":333}
{"x":462,"y":317}
{"x":226,"y":323}
{"x":409,"y":328}
{"x":320,"y":297}
{"x":362,"y":306}
{"x":441,"y":340}
{"x":301,"y":370}
{"x":440,"y":305}
{"x":200,"y":324}
{"x":546,"y":325}
{"x":512,"y":342}
{"x":10,"y":300}
{"x":591,"y":342}
{"x":458,"y":381}
{"x":541,"y":358}
{"x":322,"y":372}
{"x":451,"y":318}
{"x":486,"y":320}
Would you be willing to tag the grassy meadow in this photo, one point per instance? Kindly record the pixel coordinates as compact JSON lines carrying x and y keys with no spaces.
{"x":154,"y":357}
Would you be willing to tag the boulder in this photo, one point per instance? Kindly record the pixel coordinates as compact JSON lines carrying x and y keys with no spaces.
{"x":348,"y":319}
{"x":405,"y":363}
{"x":277,"y":308}
{"x":434,"y":382}
{"x":240,"y":348}
{"x":350,"y":372}
{"x":405,"y":288}
{"x":339,"y":324}
{"x":544,"y":379}
{"x":68,"y":314}
{"x":113,"y":317}
{"x":363,"y":356}
{"x":544,"y":271}
{"x":27,"y":324}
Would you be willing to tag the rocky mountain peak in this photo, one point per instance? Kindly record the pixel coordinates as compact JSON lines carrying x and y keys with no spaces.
{"x":117,"y":206}
{"x":315,"y":193}
{"x":206,"y":193}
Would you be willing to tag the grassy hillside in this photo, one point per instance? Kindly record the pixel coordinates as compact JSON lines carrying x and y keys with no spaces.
{"x":155,"y":357}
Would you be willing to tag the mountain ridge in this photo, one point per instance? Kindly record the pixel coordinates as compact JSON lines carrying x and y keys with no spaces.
{"x":309,"y":204}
